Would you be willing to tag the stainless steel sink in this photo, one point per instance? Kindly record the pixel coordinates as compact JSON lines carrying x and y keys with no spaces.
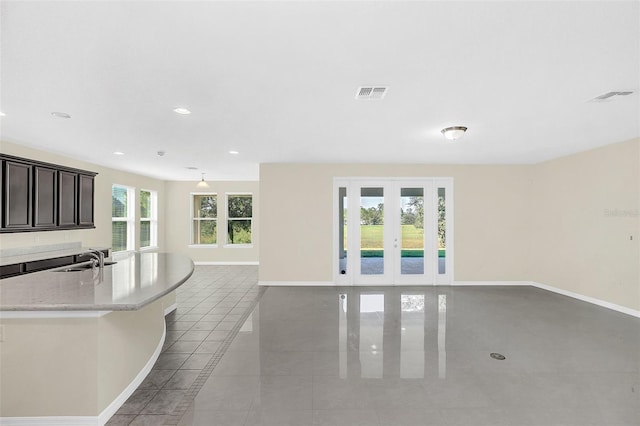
{"x":81,"y":268}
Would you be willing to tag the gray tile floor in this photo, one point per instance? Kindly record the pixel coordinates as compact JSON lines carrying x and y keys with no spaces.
{"x":213,"y":302}
{"x":394,"y":356}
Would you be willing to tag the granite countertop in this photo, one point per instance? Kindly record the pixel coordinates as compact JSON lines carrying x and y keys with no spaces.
{"x":136,"y":280}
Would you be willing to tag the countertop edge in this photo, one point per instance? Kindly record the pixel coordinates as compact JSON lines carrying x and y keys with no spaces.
{"x":78,"y":310}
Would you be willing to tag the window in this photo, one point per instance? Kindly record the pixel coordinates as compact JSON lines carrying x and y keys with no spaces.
{"x":122,"y":218}
{"x":148,"y":218}
{"x":239,"y":218}
{"x":204,"y":219}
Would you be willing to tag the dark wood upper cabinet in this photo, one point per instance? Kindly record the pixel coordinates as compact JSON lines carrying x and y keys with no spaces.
{"x":67,"y":195}
{"x":16,"y":197}
{"x":45,"y":199}
{"x":85,"y":200}
{"x":38,"y":196}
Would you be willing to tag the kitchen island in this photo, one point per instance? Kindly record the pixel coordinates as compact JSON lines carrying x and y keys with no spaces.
{"x":76,"y":342}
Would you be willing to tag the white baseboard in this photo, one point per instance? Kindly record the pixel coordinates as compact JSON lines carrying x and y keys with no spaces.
{"x":106,"y":414}
{"x":206,"y":263}
{"x":126,"y":393}
{"x":297,"y":283}
{"x":491,"y":283}
{"x":593,"y":300}
{"x":49,"y":421}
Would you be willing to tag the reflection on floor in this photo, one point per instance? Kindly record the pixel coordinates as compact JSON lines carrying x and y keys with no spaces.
{"x":421,"y":356}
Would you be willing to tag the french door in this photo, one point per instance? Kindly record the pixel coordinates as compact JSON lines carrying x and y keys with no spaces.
{"x":393,"y":231}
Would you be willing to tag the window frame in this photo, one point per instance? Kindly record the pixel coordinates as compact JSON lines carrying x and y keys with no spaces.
{"x":130,"y":218}
{"x":192,"y":219}
{"x":152,"y":219}
{"x":227,"y":219}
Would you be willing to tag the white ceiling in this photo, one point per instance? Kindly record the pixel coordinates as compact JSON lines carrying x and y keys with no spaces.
{"x":277,"y":80}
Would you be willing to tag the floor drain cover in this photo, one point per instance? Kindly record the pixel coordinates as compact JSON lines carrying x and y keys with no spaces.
{"x":498,"y":356}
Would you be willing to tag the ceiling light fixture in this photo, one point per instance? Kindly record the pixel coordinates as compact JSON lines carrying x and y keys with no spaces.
{"x":57,"y":114}
{"x":118,"y":153}
{"x":182,"y":111}
{"x":454,"y":132}
{"x":202,"y":183}
{"x":2,"y":114}
{"x":234,"y":152}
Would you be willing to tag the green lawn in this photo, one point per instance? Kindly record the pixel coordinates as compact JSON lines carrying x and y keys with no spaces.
{"x":371,"y":239}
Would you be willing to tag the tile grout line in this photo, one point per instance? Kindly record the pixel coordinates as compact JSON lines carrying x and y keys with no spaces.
{"x":189,"y":396}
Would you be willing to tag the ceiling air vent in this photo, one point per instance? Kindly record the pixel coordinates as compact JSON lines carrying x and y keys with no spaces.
{"x":371,"y":92}
{"x":610,"y":95}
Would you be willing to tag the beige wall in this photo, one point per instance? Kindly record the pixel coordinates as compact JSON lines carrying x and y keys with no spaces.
{"x":101,"y":235}
{"x":492,"y":209}
{"x":586,"y":211}
{"x":178,"y":230}
{"x":74,"y":366}
{"x":48,"y":367}
{"x":126,"y":342}
{"x":565,"y":223}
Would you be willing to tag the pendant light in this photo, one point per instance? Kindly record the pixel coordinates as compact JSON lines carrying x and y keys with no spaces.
{"x":202,"y":183}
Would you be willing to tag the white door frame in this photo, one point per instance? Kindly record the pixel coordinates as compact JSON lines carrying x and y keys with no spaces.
{"x":392,"y":259}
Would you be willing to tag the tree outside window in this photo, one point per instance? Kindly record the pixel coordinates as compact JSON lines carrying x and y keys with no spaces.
{"x":204,"y":219}
{"x":122,"y":218}
{"x":239,"y":218}
{"x":148,"y":219}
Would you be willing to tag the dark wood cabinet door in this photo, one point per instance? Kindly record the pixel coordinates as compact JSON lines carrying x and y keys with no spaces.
{"x":39,"y":196}
{"x":85,"y":200}
{"x":16,"y":195}
{"x":44,"y":199}
{"x":67,"y":196}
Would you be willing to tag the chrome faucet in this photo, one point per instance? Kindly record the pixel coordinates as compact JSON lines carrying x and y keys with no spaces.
{"x":97,"y":258}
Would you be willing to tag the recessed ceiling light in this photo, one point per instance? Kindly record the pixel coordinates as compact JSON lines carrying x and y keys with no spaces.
{"x":2,"y":114}
{"x":234,"y":152}
{"x":182,"y":111}
{"x":118,"y":153}
{"x":57,"y":114}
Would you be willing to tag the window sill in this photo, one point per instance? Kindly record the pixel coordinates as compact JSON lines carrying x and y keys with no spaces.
{"x":150,"y":248}
{"x":202,"y":246}
{"x":238,"y":246}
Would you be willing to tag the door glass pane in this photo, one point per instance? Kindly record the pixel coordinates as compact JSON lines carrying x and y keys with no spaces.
{"x":342,"y":230}
{"x":412,"y":231}
{"x":371,"y":231}
{"x":442,"y":235}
